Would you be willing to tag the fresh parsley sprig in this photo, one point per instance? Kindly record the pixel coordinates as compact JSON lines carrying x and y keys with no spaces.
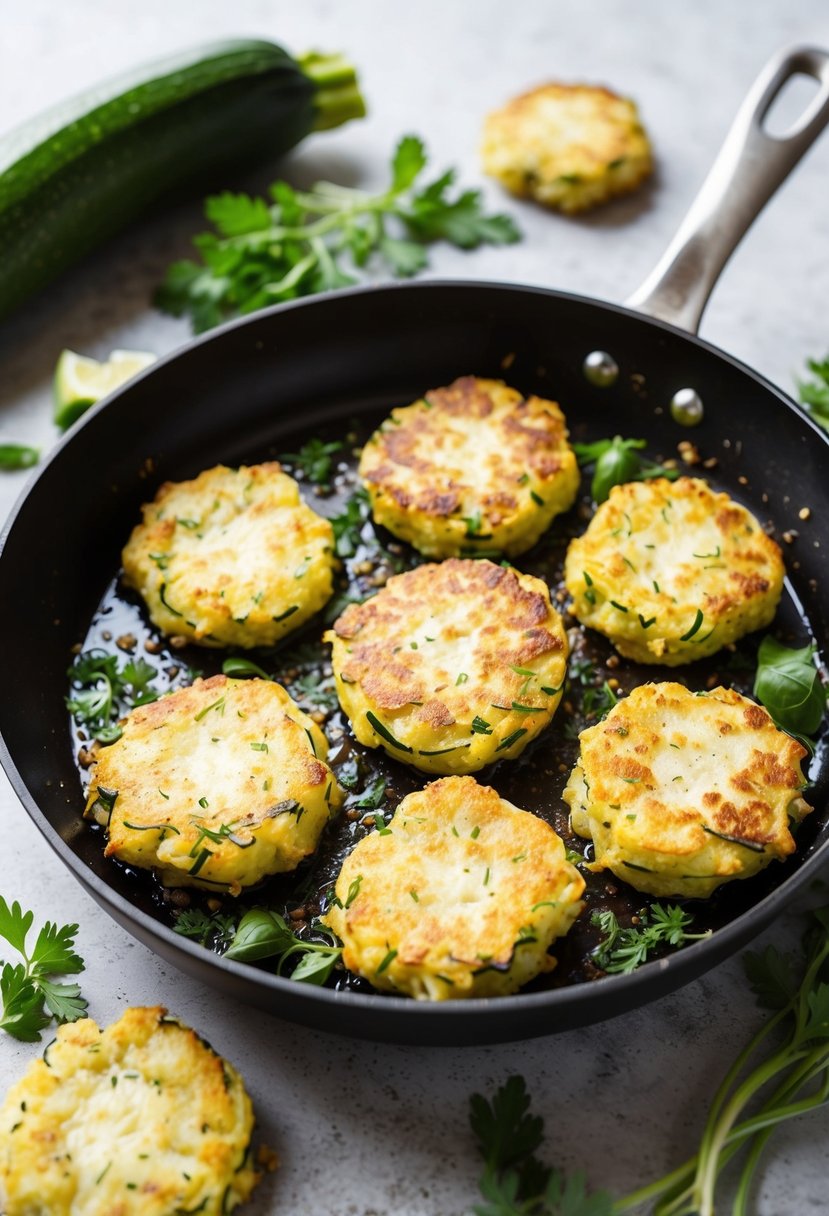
{"x":265,"y":251}
{"x":622,"y":950}
{"x":618,"y":461}
{"x":515,"y":1182}
{"x":102,"y":692}
{"x":31,"y":998}
{"x":814,"y":394}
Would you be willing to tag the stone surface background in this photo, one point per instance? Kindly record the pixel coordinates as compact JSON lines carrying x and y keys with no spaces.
{"x":364,"y":1129}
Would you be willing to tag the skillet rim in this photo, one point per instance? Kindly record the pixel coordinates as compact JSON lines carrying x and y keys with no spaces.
{"x":694,"y":959}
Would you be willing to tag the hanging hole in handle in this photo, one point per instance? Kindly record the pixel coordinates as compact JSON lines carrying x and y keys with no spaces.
{"x":794,"y":106}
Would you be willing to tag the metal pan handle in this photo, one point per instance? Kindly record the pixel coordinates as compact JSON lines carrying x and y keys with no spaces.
{"x":749,"y":168}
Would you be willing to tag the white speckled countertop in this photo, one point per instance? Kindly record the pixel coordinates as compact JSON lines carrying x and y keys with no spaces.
{"x":363,"y":1129}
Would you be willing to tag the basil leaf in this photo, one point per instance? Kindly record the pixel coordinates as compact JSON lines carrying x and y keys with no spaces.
{"x":617,"y":465}
{"x":315,"y":968}
{"x":260,"y":934}
{"x":788,"y":685}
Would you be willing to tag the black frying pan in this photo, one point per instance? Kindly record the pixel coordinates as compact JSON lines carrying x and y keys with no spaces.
{"x":245,"y":390}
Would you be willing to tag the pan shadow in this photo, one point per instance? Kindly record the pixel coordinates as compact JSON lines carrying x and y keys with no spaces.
{"x":111,"y":288}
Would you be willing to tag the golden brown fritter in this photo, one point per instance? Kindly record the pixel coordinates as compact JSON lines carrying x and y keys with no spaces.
{"x":231,"y":558}
{"x":568,"y":146}
{"x":470,"y":468}
{"x":216,"y":785}
{"x":140,"y":1119}
{"x":683,"y":791}
{"x":462,"y":895}
{"x":451,"y":666}
{"x":672,"y":571}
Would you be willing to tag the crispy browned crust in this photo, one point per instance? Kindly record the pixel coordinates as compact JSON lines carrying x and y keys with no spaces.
{"x":657,"y":552}
{"x":569,"y":146}
{"x":681,"y":791}
{"x":180,"y":1110}
{"x":223,"y":756}
{"x":232,"y":557}
{"x":456,"y":881}
{"x":438,"y":647}
{"x":475,"y":450}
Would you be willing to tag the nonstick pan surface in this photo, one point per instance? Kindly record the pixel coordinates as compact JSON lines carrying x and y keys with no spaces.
{"x":256,"y":388}
{"x":247,"y":392}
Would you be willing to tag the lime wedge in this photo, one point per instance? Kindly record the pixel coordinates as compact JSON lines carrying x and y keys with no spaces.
{"x":80,"y":382}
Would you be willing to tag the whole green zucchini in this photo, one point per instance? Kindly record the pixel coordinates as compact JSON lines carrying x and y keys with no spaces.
{"x":76,"y":174}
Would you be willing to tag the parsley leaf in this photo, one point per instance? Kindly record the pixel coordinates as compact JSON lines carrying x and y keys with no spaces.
{"x":25,"y":987}
{"x":622,"y":950}
{"x":348,"y":525}
{"x":215,"y":929}
{"x":102,"y":693}
{"x":314,"y":459}
{"x":263,"y":252}
{"x":814,"y":394}
{"x":514,"y":1180}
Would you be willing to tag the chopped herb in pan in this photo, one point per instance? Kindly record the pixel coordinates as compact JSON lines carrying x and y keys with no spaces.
{"x":385,"y":733}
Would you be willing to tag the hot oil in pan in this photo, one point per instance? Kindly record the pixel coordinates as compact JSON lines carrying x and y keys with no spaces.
{"x":375,"y":784}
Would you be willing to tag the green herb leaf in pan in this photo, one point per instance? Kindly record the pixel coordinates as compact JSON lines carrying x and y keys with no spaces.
{"x":617,"y":462}
{"x":788,"y":684}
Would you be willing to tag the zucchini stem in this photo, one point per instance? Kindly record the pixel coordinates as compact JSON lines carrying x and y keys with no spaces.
{"x":338,"y":98}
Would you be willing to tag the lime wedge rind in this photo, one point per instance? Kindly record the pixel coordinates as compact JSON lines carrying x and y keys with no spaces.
{"x":80,"y":381}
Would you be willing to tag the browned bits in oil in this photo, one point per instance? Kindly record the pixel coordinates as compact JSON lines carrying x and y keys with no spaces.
{"x":127,"y":642}
{"x":86,"y":757}
{"x":790,"y":536}
{"x":613,"y":661}
{"x":743,"y":480}
{"x":106,"y":635}
{"x":153,"y":646}
{"x":689,"y":452}
{"x":710,"y":463}
{"x":178,"y":896}
{"x":804,"y":513}
{"x":178,"y":642}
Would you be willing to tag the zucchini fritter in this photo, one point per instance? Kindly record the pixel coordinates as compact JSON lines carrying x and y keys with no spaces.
{"x":569,"y":146}
{"x":672,"y":571}
{"x":461,"y":896}
{"x":232,"y":558}
{"x":140,"y":1119}
{"x":471,"y":468}
{"x":451,"y":666}
{"x":217,"y":785}
{"x":682,"y":791}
